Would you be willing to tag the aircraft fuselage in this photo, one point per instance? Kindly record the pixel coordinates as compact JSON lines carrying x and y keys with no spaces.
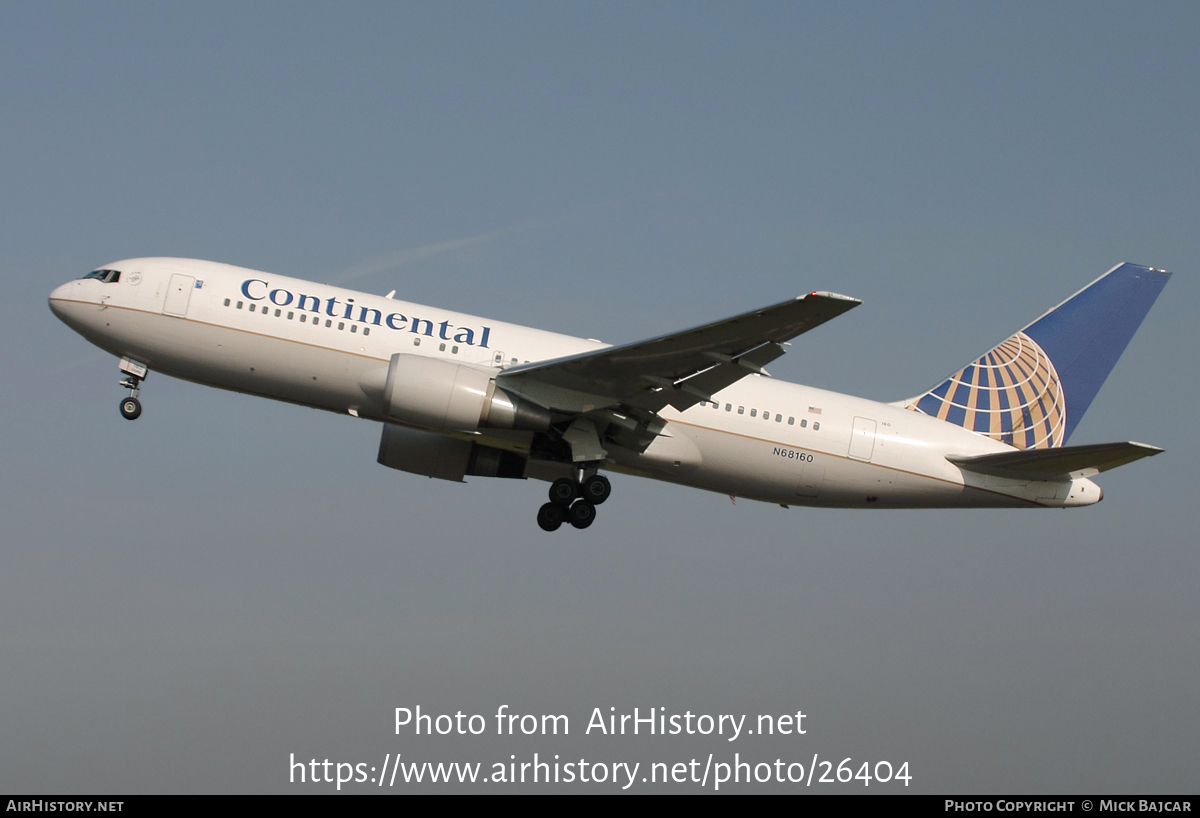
{"x":329,"y":348}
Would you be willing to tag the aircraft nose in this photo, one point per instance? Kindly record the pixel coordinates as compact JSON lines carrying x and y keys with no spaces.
{"x":58,"y":295}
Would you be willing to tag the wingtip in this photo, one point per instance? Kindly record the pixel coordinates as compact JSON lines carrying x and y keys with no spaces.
{"x":833,"y":296}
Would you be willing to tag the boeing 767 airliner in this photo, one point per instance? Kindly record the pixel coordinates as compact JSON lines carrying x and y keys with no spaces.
{"x":462,"y":395}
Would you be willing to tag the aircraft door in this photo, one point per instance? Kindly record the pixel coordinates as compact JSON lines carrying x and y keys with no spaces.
{"x":179,"y":293}
{"x":862,"y":439}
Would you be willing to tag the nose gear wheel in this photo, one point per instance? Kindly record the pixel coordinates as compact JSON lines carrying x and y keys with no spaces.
{"x":131,"y":408}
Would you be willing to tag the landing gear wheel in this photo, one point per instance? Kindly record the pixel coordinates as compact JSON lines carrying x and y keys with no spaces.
{"x":131,"y":408}
{"x":563,"y":491}
{"x":550,"y":516}
{"x":596,"y":489}
{"x":582,"y":514}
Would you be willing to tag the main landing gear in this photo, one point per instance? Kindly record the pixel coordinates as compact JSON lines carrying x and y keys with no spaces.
{"x":574,"y":501}
{"x":135,"y":373}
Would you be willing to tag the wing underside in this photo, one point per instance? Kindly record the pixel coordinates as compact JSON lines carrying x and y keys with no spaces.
{"x":680,"y":369}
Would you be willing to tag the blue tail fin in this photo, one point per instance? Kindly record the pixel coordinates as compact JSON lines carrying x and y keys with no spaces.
{"x":1032,"y":390}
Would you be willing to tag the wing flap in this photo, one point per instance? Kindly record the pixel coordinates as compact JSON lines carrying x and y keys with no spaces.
{"x":1065,"y":461}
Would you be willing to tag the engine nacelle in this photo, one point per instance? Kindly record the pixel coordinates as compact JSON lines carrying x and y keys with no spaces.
{"x":439,"y":394}
{"x":447,"y":458}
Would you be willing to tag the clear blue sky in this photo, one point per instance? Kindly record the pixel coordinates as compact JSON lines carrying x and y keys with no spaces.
{"x":189,"y":599}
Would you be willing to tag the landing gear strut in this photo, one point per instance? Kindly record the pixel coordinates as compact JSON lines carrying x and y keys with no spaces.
{"x":574,"y":501}
{"x":135,"y":373}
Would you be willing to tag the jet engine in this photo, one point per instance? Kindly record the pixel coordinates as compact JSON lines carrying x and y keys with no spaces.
{"x":434,"y":455}
{"x":452,"y":397}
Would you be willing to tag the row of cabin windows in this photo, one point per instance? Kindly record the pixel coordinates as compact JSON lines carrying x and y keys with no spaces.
{"x":341,"y":325}
{"x":316,"y":319}
{"x":766,"y":415}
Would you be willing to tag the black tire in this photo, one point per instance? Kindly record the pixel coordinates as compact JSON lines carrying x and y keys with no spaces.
{"x":550,"y":516}
{"x":131,"y":408}
{"x":596,"y":489}
{"x":582,"y":514}
{"x":563,"y":491}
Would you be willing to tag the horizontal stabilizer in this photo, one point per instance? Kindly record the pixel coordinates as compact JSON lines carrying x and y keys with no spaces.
{"x":1064,"y":461}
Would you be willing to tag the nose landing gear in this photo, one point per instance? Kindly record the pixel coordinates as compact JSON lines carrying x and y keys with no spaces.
{"x":574,"y":501}
{"x":135,"y":373}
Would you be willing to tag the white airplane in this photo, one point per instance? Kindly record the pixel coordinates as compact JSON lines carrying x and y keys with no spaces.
{"x":461,"y":395}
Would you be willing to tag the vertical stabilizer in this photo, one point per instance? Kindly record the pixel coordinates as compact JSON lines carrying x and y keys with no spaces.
{"x":1032,"y":390}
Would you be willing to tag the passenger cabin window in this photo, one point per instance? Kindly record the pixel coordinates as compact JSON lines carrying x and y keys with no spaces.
{"x":804,"y":424}
{"x":753,"y":413}
{"x":792,"y":422}
{"x":816,"y":426}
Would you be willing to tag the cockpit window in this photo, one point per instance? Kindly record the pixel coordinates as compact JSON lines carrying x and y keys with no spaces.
{"x":107,"y":276}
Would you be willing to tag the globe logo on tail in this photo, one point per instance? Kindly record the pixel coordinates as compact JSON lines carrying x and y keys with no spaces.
{"x":1011,"y":394}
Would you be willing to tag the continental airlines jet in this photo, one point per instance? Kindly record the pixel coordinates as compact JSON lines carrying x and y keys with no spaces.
{"x":461,"y":395}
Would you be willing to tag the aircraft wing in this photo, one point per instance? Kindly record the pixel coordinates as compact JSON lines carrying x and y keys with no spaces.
{"x":679,"y":369}
{"x":1061,"y":462}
